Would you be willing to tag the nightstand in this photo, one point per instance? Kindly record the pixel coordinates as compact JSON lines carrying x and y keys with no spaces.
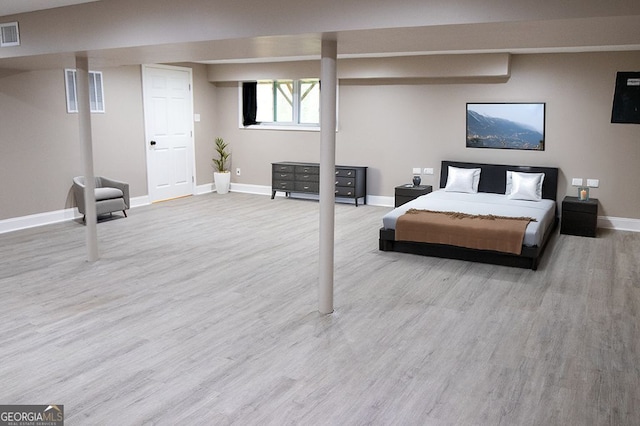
{"x":579,"y":217}
{"x":406,"y":193}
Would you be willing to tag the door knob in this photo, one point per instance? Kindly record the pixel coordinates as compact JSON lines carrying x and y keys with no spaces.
{"x":152,"y":143}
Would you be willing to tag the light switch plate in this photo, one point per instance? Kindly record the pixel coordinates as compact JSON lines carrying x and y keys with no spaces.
{"x":416,"y":170}
{"x":576,"y":182}
{"x":593,"y":183}
{"x":428,"y":171}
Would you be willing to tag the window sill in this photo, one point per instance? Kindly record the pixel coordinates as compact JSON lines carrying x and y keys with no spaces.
{"x":286,"y":128}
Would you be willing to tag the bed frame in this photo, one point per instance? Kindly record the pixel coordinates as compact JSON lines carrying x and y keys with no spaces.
{"x":493,"y":179}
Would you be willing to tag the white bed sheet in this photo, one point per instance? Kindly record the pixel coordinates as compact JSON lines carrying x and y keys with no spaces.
{"x":483,"y":203}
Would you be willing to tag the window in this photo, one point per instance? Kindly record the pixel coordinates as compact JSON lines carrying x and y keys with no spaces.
{"x":287,"y":103}
{"x":96,"y":91}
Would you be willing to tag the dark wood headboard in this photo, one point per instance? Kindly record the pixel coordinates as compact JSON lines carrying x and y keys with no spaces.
{"x":493,"y":177}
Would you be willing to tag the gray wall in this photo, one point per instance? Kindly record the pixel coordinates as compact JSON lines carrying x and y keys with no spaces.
{"x":397,"y":125}
{"x":204,"y":103}
{"x":37,"y":154}
{"x":39,"y":140}
{"x":389,"y":126}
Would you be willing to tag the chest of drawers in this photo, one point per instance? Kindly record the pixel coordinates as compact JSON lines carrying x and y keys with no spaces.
{"x":304,"y":178}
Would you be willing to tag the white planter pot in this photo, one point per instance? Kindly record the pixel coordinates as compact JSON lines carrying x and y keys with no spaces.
{"x":222,"y":181}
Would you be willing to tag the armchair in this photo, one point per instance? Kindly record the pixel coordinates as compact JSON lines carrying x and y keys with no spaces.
{"x":111,"y":195}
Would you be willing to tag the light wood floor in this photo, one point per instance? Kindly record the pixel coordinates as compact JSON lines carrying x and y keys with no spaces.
{"x":203,"y":311}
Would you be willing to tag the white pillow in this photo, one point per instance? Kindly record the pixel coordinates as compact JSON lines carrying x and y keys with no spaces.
{"x":462,"y":180}
{"x":524,"y":186}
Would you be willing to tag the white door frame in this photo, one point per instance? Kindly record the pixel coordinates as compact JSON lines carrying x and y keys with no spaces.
{"x":147,"y":135}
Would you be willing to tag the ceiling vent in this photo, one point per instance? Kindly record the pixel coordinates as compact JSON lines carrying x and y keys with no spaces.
{"x":9,"y":34}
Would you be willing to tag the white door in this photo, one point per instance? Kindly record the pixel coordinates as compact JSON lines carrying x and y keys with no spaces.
{"x":168,"y":105}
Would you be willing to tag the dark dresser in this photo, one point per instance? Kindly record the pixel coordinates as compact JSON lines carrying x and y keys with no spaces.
{"x":304,"y":178}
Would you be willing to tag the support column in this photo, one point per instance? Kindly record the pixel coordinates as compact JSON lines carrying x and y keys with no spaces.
{"x":328,"y":90}
{"x":84,"y":120}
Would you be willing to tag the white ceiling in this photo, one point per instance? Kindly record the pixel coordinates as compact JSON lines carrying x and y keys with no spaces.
{"x":12,"y":7}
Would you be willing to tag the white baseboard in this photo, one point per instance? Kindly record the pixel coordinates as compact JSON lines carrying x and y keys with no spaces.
{"x":619,"y":223}
{"x":39,"y":219}
{"x":373,"y":200}
{"x":205,"y":189}
{"x":250,"y":189}
{"x":235,"y":187}
{"x":48,"y":218}
{"x":380,"y":201}
{"x":139,"y":201}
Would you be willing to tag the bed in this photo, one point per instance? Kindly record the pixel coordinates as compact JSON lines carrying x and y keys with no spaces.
{"x":540,"y":216}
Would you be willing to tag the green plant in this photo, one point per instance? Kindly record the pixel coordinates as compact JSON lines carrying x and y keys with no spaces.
{"x":220,"y":162}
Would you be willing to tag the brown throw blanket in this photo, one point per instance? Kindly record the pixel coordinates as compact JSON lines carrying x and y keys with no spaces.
{"x":484,"y":232}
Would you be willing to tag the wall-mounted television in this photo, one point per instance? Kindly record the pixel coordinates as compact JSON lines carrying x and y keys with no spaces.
{"x":626,"y":98}
{"x":506,"y":125}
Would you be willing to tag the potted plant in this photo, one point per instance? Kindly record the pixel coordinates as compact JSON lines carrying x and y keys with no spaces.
{"x":221,"y":175}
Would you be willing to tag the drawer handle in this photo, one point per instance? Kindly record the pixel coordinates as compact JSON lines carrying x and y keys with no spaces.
{"x":349,"y":173}
{"x":336,"y":191}
{"x":337,"y":182}
{"x":349,"y":193}
{"x":336,"y":172}
{"x":305,"y":187}
{"x":306,"y":176}
{"x":349,"y":183}
{"x":283,"y":175}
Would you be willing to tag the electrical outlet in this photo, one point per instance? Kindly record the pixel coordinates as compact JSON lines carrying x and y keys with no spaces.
{"x":593,"y":183}
{"x":427,"y":171}
{"x":576,"y":182}
{"x":416,"y":170}
{"x":238,"y":171}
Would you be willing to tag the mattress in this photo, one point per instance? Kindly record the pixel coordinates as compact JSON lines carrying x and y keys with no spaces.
{"x":543,"y":211}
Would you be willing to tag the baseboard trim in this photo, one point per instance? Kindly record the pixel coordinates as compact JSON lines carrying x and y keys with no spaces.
{"x":379,"y":201}
{"x":619,"y":223}
{"x":250,"y":189}
{"x":49,"y":218}
{"x":205,"y":189}
{"x":139,"y":201}
{"x":372,"y":200}
{"x":39,"y":219}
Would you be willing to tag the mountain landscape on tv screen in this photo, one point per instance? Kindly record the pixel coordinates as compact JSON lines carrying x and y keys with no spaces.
{"x":484,"y":131}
